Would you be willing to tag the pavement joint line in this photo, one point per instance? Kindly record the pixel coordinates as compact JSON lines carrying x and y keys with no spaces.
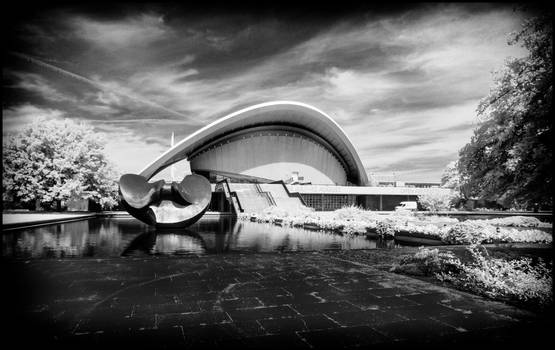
{"x":95,"y":305}
{"x":303,"y":339}
{"x":332,"y":319}
{"x":353,"y":262}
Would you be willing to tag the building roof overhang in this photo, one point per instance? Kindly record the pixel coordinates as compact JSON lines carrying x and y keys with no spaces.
{"x":269,"y":113}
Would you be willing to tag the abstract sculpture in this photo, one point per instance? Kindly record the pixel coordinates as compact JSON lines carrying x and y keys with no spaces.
{"x":164,"y":204}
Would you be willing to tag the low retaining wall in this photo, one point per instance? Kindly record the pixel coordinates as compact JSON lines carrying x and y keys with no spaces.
{"x":462,"y":215}
{"x":34,"y":219}
{"x":20,"y":220}
{"x":418,"y":238}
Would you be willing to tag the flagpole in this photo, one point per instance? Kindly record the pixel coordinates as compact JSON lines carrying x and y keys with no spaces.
{"x":172,"y":173}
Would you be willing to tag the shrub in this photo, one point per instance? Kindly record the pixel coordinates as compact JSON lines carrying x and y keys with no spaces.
{"x":438,"y":201}
{"x":385,"y":228}
{"x":476,"y":232}
{"x":517,"y":280}
{"x":354,"y":220}
{"x":427,"y":229}
{"x":517,"y":221}
{"x":428,"y":262}
{"x":505,"y":234}
{"x":349,"y":212}
{"x":354,"y":227}
{"x":466,"y":232}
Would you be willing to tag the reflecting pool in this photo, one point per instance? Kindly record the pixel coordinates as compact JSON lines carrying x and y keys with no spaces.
{"x":113,"y":237}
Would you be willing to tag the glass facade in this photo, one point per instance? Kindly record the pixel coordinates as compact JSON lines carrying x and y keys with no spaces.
{"x":328,"y":202}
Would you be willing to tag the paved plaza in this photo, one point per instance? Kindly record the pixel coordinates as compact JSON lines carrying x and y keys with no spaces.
{"x":283,"y":301}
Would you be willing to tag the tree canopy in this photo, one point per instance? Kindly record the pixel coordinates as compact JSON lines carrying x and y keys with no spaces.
{"x":509,"y":156}
{"x":51,"y":161}
{"x":450,"y":178}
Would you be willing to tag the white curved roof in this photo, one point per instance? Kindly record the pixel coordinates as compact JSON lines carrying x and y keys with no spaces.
{"x":275,"y":112}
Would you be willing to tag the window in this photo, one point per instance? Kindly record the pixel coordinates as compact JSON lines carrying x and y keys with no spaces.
{"x":328,"y":202}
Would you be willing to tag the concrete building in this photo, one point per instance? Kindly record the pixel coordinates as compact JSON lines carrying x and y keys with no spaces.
{"x":279,"y":153}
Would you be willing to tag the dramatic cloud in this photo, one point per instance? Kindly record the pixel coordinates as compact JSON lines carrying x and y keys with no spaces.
{"x":14,"y":118}
{"x":404,"y":86}
{"x":140,"y":30}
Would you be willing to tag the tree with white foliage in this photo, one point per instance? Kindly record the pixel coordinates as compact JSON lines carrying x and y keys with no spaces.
{"x":450,"y":178}
{"x":50,"y":161}
{"x":438,"y":201}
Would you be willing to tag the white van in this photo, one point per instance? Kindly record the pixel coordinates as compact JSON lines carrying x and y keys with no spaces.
{"x":406,"y":206}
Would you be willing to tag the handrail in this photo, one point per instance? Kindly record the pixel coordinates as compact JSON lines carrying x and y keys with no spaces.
{"x":230,"y":195}
{"x":235,"y":201}
{"x":265,"y":194}
{"x":233,"y":194}
{"x":271,"y":198}
{"x":297,"y":195}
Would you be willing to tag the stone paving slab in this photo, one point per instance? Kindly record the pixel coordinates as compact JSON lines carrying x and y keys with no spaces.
{"x":289,"y":300}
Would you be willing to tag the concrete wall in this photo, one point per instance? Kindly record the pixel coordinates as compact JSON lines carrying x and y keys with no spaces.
{"x":273,"y":155}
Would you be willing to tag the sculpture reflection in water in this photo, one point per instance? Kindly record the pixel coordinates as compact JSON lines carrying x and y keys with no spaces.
{"x":216,"y":237}
{"x":222,"y":235}
{"x":110,"y":237}
{"x":161,"y":204}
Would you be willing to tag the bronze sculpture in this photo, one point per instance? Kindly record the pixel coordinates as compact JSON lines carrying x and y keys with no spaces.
{"x":164,"y":204}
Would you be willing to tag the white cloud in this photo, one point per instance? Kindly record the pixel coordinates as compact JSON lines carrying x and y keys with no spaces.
{"x":438,"y":133}
{"x":140,"y":30}
{"x":130,"y":152}
{"x":14,"y":118}
{"x":39,"y":85}
{"x":187,"y":59}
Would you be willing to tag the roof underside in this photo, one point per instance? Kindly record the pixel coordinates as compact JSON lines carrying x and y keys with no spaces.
{"x":266,"y":114}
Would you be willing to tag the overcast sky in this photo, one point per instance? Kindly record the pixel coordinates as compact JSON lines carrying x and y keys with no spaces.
{"x":404,"y":84}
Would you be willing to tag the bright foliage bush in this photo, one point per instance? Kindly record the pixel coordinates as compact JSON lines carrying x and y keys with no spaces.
{"x":427,"y":262}
{"x":516,"y":221}
{"x":497,"y":278}
{"x":516,"y":280}
{"x":475,"y":232}
{"x":438,"y":201}
{"x":354,"y":220}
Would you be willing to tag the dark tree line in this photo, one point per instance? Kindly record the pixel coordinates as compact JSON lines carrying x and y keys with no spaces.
{"x":509,"y":158}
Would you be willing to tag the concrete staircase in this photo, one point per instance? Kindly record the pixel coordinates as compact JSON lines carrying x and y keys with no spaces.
{"x":257,"y":197}
{"x":281,"y":197}
{"x":249,"y":197}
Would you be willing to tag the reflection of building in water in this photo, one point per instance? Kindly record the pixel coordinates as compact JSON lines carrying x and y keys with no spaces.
{"x":97,"y":237}
{"x":250,"y":237}
{"x":217,"y":236}
{"x":169,"y":243}
{"x":127,"y":237}
{"x":56,"y":241}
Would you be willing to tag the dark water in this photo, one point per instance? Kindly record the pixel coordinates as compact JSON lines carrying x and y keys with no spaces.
{"x":113,"y":237}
